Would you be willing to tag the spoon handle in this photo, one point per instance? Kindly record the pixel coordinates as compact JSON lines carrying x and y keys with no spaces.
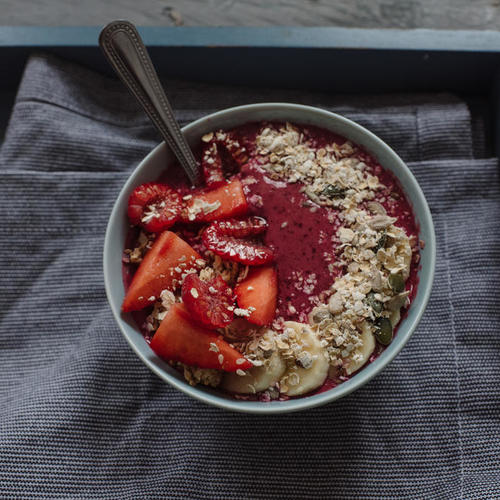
{"x":125,"y":51}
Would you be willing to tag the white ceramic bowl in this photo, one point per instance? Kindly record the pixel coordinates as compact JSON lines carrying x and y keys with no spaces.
{"x":155,"y":163}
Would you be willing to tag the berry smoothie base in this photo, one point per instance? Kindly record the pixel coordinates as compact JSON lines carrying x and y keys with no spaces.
{"x":302,"y":233}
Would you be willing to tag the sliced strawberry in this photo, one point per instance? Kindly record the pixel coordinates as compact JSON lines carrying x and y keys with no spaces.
{"x":218,"y":237}
{"x":210,"y":303}
{"x":225,"y":201}
{"x":178,"y":338}
{"x":241,"y":228}
{"x":211,"y":164}
{"x":162,"y":268}
{"x":154,"y":206}
{"x":259,"y":290}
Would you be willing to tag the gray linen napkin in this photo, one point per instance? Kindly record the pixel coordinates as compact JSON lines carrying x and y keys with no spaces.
{"x":82,"y":417}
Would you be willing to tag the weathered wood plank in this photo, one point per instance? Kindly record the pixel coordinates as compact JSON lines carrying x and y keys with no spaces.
{"x":441,"y":14}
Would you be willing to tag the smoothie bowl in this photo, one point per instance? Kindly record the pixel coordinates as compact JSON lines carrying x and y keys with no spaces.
{"x":291,"y":277}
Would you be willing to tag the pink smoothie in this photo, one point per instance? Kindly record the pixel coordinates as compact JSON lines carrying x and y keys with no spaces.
{"x":301,"y":235}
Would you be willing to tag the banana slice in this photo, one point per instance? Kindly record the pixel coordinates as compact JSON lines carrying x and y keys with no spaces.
{"x":298,"y":380}
{"x":362,"y":354}
{"x":258,"y":378}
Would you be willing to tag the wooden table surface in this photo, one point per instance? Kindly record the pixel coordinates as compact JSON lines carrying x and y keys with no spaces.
{"x":438,"y":14}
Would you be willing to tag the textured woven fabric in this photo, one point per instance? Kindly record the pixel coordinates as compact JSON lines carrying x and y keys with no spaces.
{"x":82,"y":417}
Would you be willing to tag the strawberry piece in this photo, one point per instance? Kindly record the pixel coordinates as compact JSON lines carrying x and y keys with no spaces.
{"x":241,"y":228}
{"x":211,"y":164}
{"x":226,"y":201}
{"x":259,"y":290}
{"x":154,"y":206}
{"x":208,"y":301}
{"x":161,"y":269}
{"x":218,"y":237}
{"x":178,"y":338}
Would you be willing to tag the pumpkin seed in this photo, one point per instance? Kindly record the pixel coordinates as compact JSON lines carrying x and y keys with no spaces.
{"x":375,"y":304}
{"x":381,"y":242}
{"x":383,"y":331}
{"x":331,"y":191}
{"x":396,"y":282}
{"x":320,"y":315}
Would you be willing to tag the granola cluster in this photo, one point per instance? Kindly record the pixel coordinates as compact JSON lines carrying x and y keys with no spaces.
{"x":143,"y":244}
{"x":332,"y":175}
{"x":375,"y":256}
{"x":201,"y":376}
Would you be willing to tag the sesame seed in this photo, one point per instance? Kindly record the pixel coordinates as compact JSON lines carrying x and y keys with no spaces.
{"x":241,"y":373}
{"x":220,"y":357}
{"x":194,"y":293}
{"x":240,"y":361}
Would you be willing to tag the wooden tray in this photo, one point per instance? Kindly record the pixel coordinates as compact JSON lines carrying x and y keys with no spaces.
{"x":339,"y":60}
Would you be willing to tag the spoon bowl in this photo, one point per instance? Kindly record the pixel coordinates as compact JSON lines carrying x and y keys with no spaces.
{"x":155,"y":163}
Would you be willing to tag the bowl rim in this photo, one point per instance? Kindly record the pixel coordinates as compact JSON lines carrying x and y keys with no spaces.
{"x":370,"y":370}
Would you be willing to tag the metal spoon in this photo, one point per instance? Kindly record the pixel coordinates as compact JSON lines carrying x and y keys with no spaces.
{"x":125,"y":51}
